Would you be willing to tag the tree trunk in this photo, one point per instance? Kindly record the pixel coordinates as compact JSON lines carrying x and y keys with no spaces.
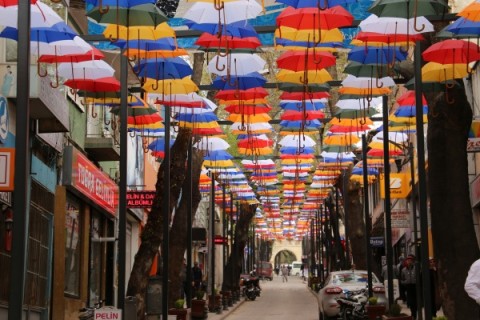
{"x":152,"y":234}
{"x":453,"y":231}
{"x":235,"y":261}
{"x":178,"y":239}
{"x":337,"y":253}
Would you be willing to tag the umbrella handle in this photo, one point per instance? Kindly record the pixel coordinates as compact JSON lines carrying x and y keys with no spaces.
{"x":145,"y":144}
{"x":320,"y":7}
{"x":378,"y":84}
{"x":110,"y":36}
{"x":105,"y":121}
{"x":217,"y":64}
{"x":38,"y":64}
{"x":155,"y":85}
{"x":218,"y":5}
{"x":447,"y":96}
{"x":415,"y":19}
{"x":93,"y":113}
{"x":114,"y":124}
{"x":101,"y":9}
{"x":56,"y":77}
{"x":132,"y":134}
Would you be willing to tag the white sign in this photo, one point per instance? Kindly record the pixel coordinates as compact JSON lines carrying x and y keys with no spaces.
{"x":107,"y":313}
{"x":396,"y":289}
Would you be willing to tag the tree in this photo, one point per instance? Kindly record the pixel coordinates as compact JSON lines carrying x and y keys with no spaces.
{"x":232,"y":270}
{"x":152,"y":234}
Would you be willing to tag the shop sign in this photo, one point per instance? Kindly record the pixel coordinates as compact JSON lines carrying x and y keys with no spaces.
{"x":400,"y":219}
{"x":83,"y":175}
{"x":377,"y":242}
{"x":219,"y":240}
{"x":107,"y":313}
{"x":399,"y":186}
{"x":473,"y":141}
{"x":140,"y":199}
{"x":7,"y":168}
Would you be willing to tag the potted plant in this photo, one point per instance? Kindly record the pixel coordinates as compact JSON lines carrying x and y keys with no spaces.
{"x":395,"y":312}
{"x":373,"y":309}
{"x":178,"y":310}
{"x":214,"y":301}
{"x":198,"y":306}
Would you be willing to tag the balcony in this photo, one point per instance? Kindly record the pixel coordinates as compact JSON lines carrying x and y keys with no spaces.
{"x":102,"y":141}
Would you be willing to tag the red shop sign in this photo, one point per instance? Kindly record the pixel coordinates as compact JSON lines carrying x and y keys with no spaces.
{"x":84,"y":176}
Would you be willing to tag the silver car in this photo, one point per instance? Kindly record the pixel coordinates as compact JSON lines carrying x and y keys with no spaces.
{"x":337,"y":282}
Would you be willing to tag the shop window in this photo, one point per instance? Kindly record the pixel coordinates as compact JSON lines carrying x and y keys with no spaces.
{"x":96,"y":261}
{"x":72,"y":248}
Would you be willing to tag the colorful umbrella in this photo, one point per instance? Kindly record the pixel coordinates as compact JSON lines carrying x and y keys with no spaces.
{"x":248,"y":81}
{"x":172,"y":68}
{"x":139,"y":15}
{"x":237,"y":64}
{"x":253,"y":93}
{"x":208,"y":41}
{"x":452,"y":51}
{"x":95,"y":85}
{"x":234,"y":11}
{"x":313,"y":18}
{"x":437,"y":72}
{"x":309,"y":60}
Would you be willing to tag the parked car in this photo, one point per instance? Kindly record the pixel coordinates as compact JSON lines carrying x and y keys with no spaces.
{"x":337,"y":283}
{"x":265,"y":270}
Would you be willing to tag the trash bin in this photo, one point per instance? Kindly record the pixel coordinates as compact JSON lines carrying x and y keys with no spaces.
{"x":130,"y":308}
{"x":154,"y":296}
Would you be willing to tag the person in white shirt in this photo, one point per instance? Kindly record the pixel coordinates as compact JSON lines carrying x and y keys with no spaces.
{"x":472,"y":284}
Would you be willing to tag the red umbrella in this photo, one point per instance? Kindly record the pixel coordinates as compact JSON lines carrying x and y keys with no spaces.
{"x":314,"y":18}
{"x":339,"y":129}
{"x":207,"y":40}
{"x":254,"y":143}
{"x":93,"y":54}
{"x":249,"y":94}
{"x":452,"y":51}
{"x":248,"y":108}
{"x":9,"y":3}
{"x":304,"y":95}
{"x":408,"y":99}
{"x":207,"y":131}
{"x":387,"y":38}
{"x":94,"y":85}
{"x":291,"y":115}
{"x":301,"y":60}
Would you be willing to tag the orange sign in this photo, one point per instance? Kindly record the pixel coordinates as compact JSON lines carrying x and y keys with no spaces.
{"x":7,"y":168}
{"x":399,"y":185}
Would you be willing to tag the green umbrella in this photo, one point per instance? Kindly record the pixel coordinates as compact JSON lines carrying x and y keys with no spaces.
{"x":408,"y":8}
{"x":141,"y":15}
{"x":354,"y":113}
{"x":431,"y":86}
{"x":295,"y":87}
{"x":365,"y":70}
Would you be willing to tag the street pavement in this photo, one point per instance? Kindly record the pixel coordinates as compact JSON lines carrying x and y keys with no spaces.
{"x":279,"y":300}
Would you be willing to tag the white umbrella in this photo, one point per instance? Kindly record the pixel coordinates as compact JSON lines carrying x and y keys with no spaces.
{"x":366,"y":82}
{"x":61,"y":48}
{"x":233,"y":11}
{"x":297,"y":140}
{"x":252,"y":127}
{"x":397,"y":137}
{"x":41,"y":16}
{"x":359,"y":104}
{"x":390,"y":25}
{"x":236,"y":64}
{"x":92,"y":69}
{"x":212,"y":144}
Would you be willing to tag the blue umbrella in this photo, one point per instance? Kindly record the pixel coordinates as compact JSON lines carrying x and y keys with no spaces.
{"x":239,"y":29}
{"x":466,"y":27}
{"x":159,"y":144}
{"x":58,"y":32}
{"x":315,"y":3}
{"x":377,"y":55}
{"x":148,"y":45}
{"x":298,"y":106}
{"x":169,"y":68}
{"x":370,"y":171}
{"x":408,"y":111}
{"x":200,"y":117}
{"x":218,"y":155}
{"x":308,"y":125}
{"x":293,"y":150}
{"x":117,"y":3}
{"x":248,"y":81}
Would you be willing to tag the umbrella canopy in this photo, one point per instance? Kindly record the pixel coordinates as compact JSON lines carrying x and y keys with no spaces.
{"x":136,"y":32}
{"x":408,"y":8}
{"x":239,"y":29}
{"x":248,"y":94}
{"x":172,"y":68}
{"x":312,"y":76}
{"x":452,"y":51}
{"x":139,"y":15}
{"x":170,"y":86}
{"x":471,"y":12}
{"x":309,"y":60}
{"x":395,"y":25}
{"x":58,"y":32}
{"x":93,"y":69}
{"x":377,"y":55}
{"x":234,"y":11}
{"x":315,"y":3}
{"x":312,"y":18}
{"x":238,"y":64}
{"x":292,"y":115}
{"x":248,"y":109}
{"x":297,"y":140}
{"x":437,"y":72}
{"x":209,"y":41}
{"x":41,"y":16}
{"x":309,"y":35}
{"x":248,"y":81}
{"x":94,"y":85}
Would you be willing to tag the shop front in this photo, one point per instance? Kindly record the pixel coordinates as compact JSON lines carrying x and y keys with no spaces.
{"x":85,"y":237}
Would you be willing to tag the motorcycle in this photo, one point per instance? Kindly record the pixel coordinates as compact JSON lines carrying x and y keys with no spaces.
{"x":352,"y":305}
{"x":251,"y":287}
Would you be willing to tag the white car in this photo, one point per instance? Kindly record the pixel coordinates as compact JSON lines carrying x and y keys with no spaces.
{"x":339,"y":281}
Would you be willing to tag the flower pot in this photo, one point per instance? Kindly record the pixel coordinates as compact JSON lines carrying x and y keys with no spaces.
{"x":374,"y":311}
{"x":198,"y":309}
{"x":214,"y":304}
{"x":180,"y":313}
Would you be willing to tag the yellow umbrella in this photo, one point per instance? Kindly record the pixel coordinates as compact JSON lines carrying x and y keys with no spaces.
{"x":437,"y":72}
{"x":295,"y":161}
{"x":218,"y":163}
{"x":358,"y":43}
{"x":255,"y":151}
{"x":374,"y":91}
{"x":351,"y":122}
{"x":198,"y":125}
{"x":163,"y":30}
{"x":152,"y":54}
{"x":471,"y":12}
{"x":244,"y":102}
{"x":289,"y":133}
{"x":170,"y":86}
{"x":341,"y":140}
{"x":249,"y":118}
{"x":407,"y":120}
{"x":314,"y":76}
{"x":332,"y":35}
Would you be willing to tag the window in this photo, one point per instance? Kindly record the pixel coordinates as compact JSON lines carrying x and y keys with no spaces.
{"x":72,"y":248}
{"x":95,"y":264}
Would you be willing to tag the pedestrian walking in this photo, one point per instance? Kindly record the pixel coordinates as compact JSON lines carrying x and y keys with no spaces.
{"x":409,"y":280}
{"x":197,"y":277}
{"x":472,"y":284}
{"x":401,"y":287}
{"x":284,"y":271}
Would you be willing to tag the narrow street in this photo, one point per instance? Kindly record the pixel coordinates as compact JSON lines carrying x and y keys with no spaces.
{"x":279,"y":300}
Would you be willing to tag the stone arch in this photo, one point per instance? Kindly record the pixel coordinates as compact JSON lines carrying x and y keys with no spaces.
{"x":293,"y":246}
